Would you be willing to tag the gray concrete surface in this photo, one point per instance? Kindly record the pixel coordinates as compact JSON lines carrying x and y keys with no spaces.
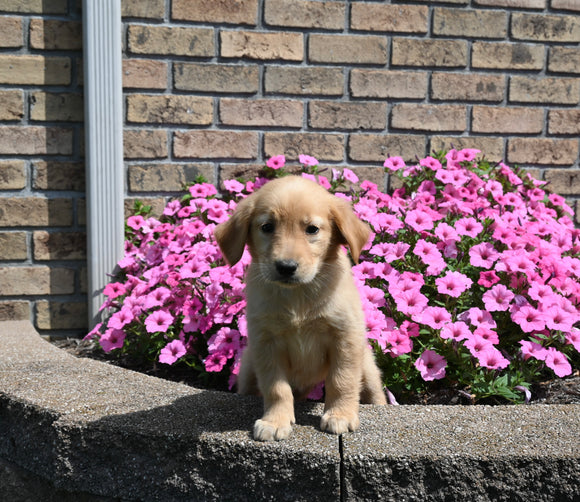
{"x":78,"y":429}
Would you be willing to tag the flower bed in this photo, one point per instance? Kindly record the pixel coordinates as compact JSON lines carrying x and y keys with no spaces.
{"x":470,"y":279}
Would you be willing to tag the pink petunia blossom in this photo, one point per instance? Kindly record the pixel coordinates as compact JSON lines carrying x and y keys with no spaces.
{"x":428,"y":252}
{"x":158,"y":321}
{"x":487,"y":334}
{"x":558,"y":319}
{"x":477,"y":344}
{"x":234,"y":186}
{"x":446,"y":232}
{"x":431,"y":365}
{"x":455,"y":331}
{"x":492,"y":359}
{"x":394,"y":163}
{"x":488,"y":278}
{"x":157,"y":297}
{"x":558,"y":362}
{"x":434,"y":317}
{"x":121,"y":318}
{"x":498,"y":298}
{"x":398,"y":343}
{"x":114,"y":290}
{"x":573,"y":338}
{"x":528,"y":318}
{"x":215,"y":362}
{"x":483,"y":255}
{"x":453,"y":284}
{"x":430,"y":163}
{"x":533,"y":349}
{"x":349,"y":175}
{"x":411,"y":302}
{"x":172,"y":352}
{"x":307,"y":160}
{"x":419,"y":220}
{"x":276,"y":162}
{"x":478,"y":318}
{"x":469,"y":227}
{"x":135,"y":222}
{"x":112,"y":339}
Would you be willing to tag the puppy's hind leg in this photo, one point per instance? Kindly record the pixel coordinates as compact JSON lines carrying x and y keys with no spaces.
{"x":372,"y":386}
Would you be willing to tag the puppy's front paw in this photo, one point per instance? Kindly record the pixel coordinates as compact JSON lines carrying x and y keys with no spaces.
{"x":338,"y":423}
{"x":269,"y":431}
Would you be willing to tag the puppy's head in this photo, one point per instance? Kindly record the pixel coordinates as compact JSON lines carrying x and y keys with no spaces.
{"x":292,"y":227}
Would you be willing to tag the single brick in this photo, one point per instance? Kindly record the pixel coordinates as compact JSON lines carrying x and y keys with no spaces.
{"x":566,"y":5}
{"x":564,"y":59}
{"x":545,"y":28}
{"x":507,"y":120}
{"x":144,"y":74}
{"x":353,"y":49}
{"x":35,"y":141}
{"x":217,"y":78}
{"x":175,"y":41}
{"x":215,"y":144}
{"x":54,"y":175}
{"x":35,"y":212}
{"x":563,"y":181}
{"x":169,"y":109}
{"x":14,"y":310}
{"x":305,"y":14}
{"x":34,"y":70}
{"x":507,"y":56}
{"x":389,"y":18}
{"x":62,"y":107}
{"x":167,"y":177}
{"x":13,"y":246}
{"x":542,"y":151}
{"x":265,"y":46}
{"x":443,"y":53}
{"x":469,"y":23}
{"x":261,"y":112}
{"x":377,"y":147}
{"x":564,"y":121}
{"x":11,"y":105}
{"x":61,"y":315}
{"x":304,"y":81}
{"x":429,"y":117}
{"x":59,"y":245}
{"x":457,"y":2}
{"x":491,"y":147}
{"x":523,"y":4}
{"x":12,"y":175}
{"x":35,"y":6}
{"x":54,"y":34}
{"x":148,"y":9}
{"x":329,"y":147}
{"x":388,"y":84}
{"x":11,"y":29}
{"x":469,"y":87}
{"x":143,"y":143}
{"x":41,"y":280}
{"x":544,"y":90}
{"x":353,"y":115}
{"x":216,"y":11}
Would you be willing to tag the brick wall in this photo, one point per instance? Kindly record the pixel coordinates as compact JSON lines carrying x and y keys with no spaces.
{"x":215,"y":87}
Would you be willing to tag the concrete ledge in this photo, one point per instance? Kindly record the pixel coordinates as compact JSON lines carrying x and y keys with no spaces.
{"x":92,"y":431}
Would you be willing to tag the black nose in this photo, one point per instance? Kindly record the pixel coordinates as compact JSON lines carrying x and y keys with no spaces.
{"x":286,"y":268}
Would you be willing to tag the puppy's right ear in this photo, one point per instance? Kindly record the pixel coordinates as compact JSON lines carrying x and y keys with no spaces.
{"x":232,"y":235}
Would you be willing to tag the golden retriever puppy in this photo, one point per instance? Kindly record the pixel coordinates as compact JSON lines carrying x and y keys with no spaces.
{"x":304,"y":314}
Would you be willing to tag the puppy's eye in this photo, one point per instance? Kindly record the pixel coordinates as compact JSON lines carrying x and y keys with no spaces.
{"x":267,"y":228}
{"x":312,"y":229}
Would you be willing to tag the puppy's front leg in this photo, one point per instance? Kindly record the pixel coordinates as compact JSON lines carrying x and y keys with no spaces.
{"x":276,"y":424}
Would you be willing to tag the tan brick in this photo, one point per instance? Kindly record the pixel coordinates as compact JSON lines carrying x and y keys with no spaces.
{"x":215,"y":144}
{"x":507,"y":120}
{"x":13,"y":246}
{"x":544,"y":90}
{"x":169,"y":109}
{"x":564,"y":121}
{"x":176,"y":41}
{"x":442,"y":53}
{"x":144,"y":143}
{"x":523,"y":4}
{"x":34,"y":70}
{"x":148,"y":9}
{"x":12,"y":175}
{"x":40,"y":280}
{"x":14,"y":310}
{"x":545,"y":28}
{"x":354,"y":49}
{"x":305,"y":14}
{"x":457,"y":2}
{"x":54,"y":34}
{"x":11,"y":29}
{"x":543,"y":151}
{"x":35,"y":212}
{"x":353,"y":115}
{"x":389,"y":18}
{"x":48,"y":175}
{"x":11,"y":105}
{"x":216,"y":11}
{"x":65,"y":107}
{"x":304,"y":81}
{"x":144,"y":74}
{"x":55,"y":315}
{"x":510,"y":56}
{"x":59,"y":245}
{"x":323,"y":146}
{"x":217,"y":78}
{"x":469,"y":23}
{"x":388,"y":84}
{"x":35,"y":141}
{"x":262,"y":112}
{"x":35,"y":6}
{"x":564,"y":59}
{"x":470,"y":87}
{"x":377,"y":147}
{"x":429,"y":117}
{"x":265,"y":46}
{"x":491,"y":147}
{"x":563,"y":181}
{"x":566,"y":5}
{"x":167,"y":177}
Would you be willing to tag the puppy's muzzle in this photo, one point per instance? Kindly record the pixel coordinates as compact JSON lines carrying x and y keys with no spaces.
{"x":286,"y":270}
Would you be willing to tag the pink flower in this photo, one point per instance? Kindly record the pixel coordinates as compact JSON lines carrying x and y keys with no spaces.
{"x":112,"y":339}
{"x":202,"y":190}
{"x":430,"y":163}
{"x":477,"y":344}
{"x":487,"y":334}
{"x":114,"y":289}
{"x":428,"y":252}
{"x":398,"y":343}
{"x":394,"y":163}
{"x":234,"y":186}
{"x":431,"y":365}
{"x":276,"y":162}
{"x":483,"y":255}
{"x":215,"y":362}
{"x":528,"y":318}
{"x":533,"y":349}
{"x":135,"y":222}
{"x":410,"y":302}
{"x":573,"y":338}
{"x":349,"y":175}
{"x":446,"y":232}
{"x":453,"y":284}
{"x":492,"y":359}
{"x":455,"y":331}
{"x":157,"y":297}
{"x":419,"y":220}
{"x":558,"y":319}
{"x":121,"y":318}
{"x":557,"y":362}
{"x":488,"y":278}
{"x":434,"y":317}
{"x":307,"y":160}
{"x":158,"y":321}
{"x":468,"y":226}
{"x":497,"y":298}
{"x":478,"y":317}
{"x":226,"y":341}
{"x":172,"y":352}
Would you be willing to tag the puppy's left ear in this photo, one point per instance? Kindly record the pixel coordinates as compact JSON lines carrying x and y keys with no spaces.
{"x":353,"y":231}
{"x":232,"y":235}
